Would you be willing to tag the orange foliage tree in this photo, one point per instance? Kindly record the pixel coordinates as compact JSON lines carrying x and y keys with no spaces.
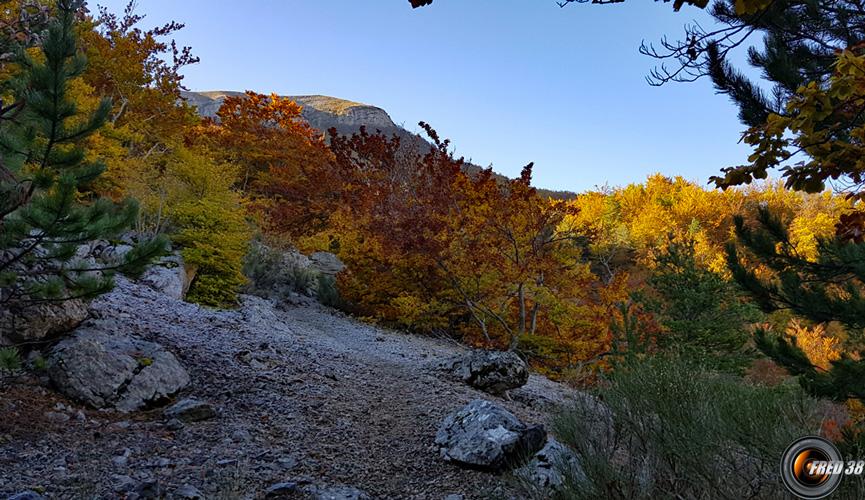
{"x":283,"y":162}
{"x":140,"y":71}
{"x":430,"y":246}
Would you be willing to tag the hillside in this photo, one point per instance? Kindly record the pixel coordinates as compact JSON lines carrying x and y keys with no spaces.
{"x":325,"y":112}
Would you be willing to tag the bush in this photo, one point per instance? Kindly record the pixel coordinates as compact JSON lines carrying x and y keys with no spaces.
{"x":327,"y":292}
{"x":682,"y":431}
{"x":274,"y":273}
{"x":214,"y":238}
{"x":10,"y":360}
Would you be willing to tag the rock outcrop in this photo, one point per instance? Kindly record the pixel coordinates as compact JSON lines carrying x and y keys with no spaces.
{"x":104,"y":368}
{"x":35,"y":322}
{"x":167,"y":276}
{"x":326,"y":263}
{"x":486,"y":436}
{"x":491,"y":371}
{"x":321,"y":111}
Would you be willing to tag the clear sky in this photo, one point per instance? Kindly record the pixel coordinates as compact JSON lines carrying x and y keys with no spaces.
{"x":509,"y":81}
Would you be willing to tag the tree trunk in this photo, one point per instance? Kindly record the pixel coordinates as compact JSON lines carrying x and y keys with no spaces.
{"x":521,"y":298}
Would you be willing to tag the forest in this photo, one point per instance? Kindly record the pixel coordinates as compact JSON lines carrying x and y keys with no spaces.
{"x":718,"y":306}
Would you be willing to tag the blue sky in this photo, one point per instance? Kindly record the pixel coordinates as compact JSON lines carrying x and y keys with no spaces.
{"x":509,"y":81}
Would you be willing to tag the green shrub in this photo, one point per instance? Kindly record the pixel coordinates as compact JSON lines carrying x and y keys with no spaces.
{"x":273,"y":273}
{"x":10,"y":360}
{"x":39,"y":364}
{"x":327,"y":292}
{"x":682,"y":431}
{"x":214,"y":237}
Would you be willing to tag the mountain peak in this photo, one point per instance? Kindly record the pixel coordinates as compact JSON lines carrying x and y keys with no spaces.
{"x":321,"y":111}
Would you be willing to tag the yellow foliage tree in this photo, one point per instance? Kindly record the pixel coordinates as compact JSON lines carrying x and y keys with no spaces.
{"x":634,"y":223}
{"x":183,"y":192}
{"x":190,"y":197}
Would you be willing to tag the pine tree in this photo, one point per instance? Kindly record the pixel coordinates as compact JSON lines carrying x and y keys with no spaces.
{"x":702,"y":314}
{"x":828,"y":289}
{"x":46,"y":211}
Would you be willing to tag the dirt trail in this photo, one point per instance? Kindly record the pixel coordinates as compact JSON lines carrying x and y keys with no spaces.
{"x":305,"y":394}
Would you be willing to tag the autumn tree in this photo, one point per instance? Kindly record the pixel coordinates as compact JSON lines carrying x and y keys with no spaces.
{"x":45,"y":212}
{"x":393,"y":204}
{"x":140,"y":70}
{"x":185,"y":191}
{"x":283,"y":162}
{"x":21,"y":23}
{"x":431,"y":246}
{"x":509,"y":261}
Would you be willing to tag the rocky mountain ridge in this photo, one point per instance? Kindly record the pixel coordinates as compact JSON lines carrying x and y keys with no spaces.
{"x":324,"y":112}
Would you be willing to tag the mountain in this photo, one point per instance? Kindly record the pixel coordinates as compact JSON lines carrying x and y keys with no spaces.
{"x":325,"y":112}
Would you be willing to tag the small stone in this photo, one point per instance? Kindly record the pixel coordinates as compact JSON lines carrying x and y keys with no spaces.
{"x":80,"y":416}
{"x":338,"y":493}
{"x":454,"y":496}
{"x":26,"y":495}
{"x":162,"y":462}
{"x":174,"y":425}
{"x":241,"y":435}
{"x":545,"y":469}
{"x":190,"y":410}
{"x":56,"y":417}
{"x":122,"y":460}
{"x":281,"y":490}
{"x":188,"y":492}
{"x":124,"y":484}
{"x":287,"y":462}
{"x":149,"y":489}
{"x":118,"y":426}
{"x":227,"y":461}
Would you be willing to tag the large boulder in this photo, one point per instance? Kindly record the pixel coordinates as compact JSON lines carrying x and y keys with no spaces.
{"x":491,"y":371}
{"x":108,"y":370}
{"x":35,"y":322}
{"x":485,"y":436}
{"x":168,"y":276}
{"x":326,"y":263}
{"x":550,"y":467}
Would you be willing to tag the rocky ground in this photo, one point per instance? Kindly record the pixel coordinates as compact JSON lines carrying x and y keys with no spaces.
{"x":303,"y":394}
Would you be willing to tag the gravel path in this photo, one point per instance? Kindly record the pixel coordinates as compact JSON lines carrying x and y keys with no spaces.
{"x":305,"y":394}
